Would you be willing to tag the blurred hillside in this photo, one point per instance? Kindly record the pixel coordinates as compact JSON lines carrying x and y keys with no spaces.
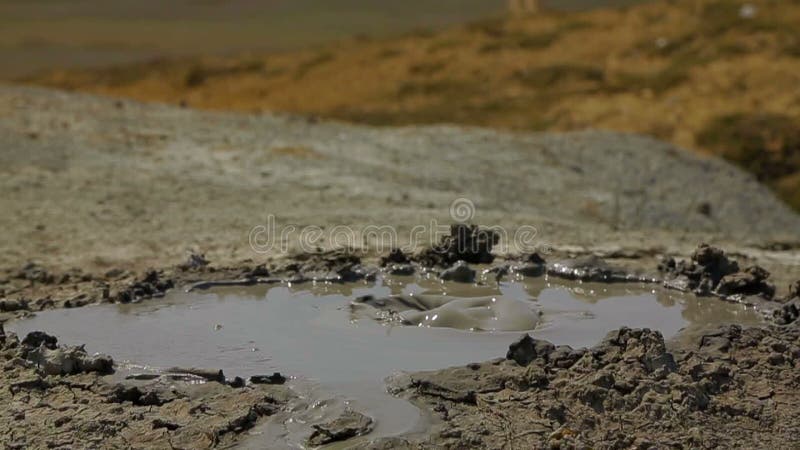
{"x":41,"y":35}
{"x":717,"y":76}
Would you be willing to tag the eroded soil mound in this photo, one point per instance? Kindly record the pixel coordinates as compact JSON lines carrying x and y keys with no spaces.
{"x":734,"y":388}
{"x":121,"y":184}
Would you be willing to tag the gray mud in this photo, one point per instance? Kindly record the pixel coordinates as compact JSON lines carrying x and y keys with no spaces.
{"x":154,"y":181}
{"x":474,"y":314}
{"x":337,"y":357}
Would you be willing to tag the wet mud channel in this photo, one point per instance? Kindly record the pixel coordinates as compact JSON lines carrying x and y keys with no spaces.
{"x":336,"y":343}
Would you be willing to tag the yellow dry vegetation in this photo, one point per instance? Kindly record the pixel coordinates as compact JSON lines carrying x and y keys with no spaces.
{"x":716,"y":76}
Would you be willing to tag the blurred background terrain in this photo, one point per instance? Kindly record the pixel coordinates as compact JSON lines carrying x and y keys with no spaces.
{"x":715,"y":76}
{"x":48,"y":34}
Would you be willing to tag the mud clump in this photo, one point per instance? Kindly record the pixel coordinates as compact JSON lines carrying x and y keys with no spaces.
{"x":13,"y":305}
{"x":69,"y":361}
{"x":711,"y":272}
{"x":466,"y":243}
{"x":395,"y":256}
{"x":340,"y":266}
{"x":702,"y":272}
{"x":788,"y":313}
{"x":152,"y":285}
{"x":36,"y":274}
{"x":275,"y":378}
{"x":533,"y":266}
{"x":526,"y":349}
{"x":794,"y":291}
{"x":751,"y":281}
{"x":42,"y":350}
{"x":36,"y":339}
{"x":195,"y":261}
{"x":145,"y":396}
{"x":645,"y":347}
{"x":459,"y":272}
{"x":350,"y":424}
{"x":397,"y":263}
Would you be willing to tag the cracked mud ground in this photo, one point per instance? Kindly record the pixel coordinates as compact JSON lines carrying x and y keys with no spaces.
{"x":733,"y":388}
{"x":96,"y":191}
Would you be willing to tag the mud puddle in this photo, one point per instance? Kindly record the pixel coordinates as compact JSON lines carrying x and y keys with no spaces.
{"x":338,"y":351}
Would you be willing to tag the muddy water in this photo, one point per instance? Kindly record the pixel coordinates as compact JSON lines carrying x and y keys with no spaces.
{"x":339,"y":356}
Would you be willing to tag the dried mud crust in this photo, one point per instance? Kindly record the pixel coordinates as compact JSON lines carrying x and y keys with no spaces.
{"x":80,"y":408}
{"x":734,"y":388}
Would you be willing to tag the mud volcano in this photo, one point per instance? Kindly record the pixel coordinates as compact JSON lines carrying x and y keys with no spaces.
{"x":338,"y":342}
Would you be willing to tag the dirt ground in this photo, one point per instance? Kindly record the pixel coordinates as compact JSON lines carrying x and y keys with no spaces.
{"x":733,"y":389}
{"x":706,"y":75}
{"x":96,"y":190}
{"x":98,"y":184}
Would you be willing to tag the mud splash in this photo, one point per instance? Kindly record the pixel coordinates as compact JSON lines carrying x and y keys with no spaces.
{"x":338,"y":356}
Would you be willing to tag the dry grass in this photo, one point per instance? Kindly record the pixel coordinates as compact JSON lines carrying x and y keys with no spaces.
{"x":681,"y":70}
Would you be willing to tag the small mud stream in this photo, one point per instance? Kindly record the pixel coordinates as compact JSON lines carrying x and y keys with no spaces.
{"x":339,"y":354}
